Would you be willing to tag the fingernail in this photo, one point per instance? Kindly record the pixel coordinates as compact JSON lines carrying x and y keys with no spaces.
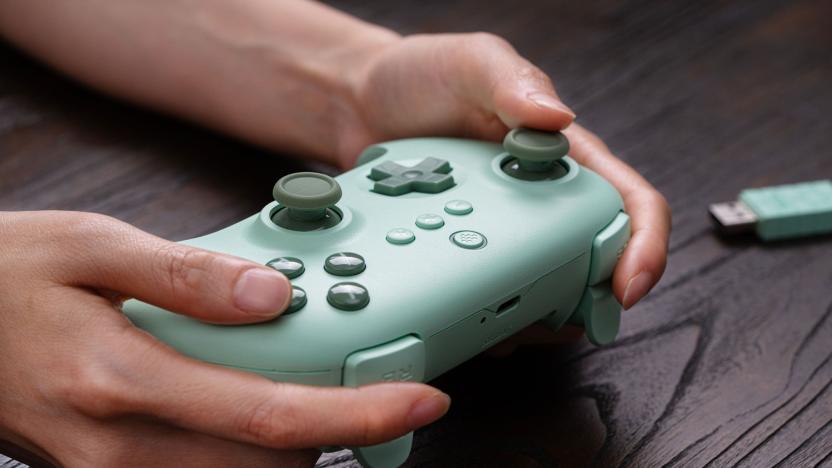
{"x":261,"y":292}
{"x":550,"y":102}
{"x":428,"y":410}
{"x":637,"y":287}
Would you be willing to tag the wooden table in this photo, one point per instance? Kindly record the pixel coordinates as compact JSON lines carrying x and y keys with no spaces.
{"x":729,"y":360}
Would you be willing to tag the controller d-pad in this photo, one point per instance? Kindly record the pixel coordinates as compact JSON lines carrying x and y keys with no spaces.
{"x":431,"y":175}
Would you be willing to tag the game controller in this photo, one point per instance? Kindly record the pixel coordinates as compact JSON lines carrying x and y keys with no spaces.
{"x":428,"y":252}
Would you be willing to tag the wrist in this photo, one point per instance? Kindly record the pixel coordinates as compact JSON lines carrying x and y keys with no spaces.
{"x":355,"y":59}
{"x":349,"y":120}
{"x":291,"y":90}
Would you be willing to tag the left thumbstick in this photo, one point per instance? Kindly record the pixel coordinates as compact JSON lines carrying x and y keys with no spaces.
{"x":306,"y":201}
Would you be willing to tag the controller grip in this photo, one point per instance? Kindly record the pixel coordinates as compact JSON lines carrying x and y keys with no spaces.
{"x":598,"y":312}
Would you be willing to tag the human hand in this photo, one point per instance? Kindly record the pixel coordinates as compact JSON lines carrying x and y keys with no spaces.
{"x":476,"y":85}
{"x":81,"y":386}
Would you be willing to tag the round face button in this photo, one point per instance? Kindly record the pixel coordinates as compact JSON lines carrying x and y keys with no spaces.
{"x":458,"y":207}
{"x":429,"y":221}
{"x":297,"y":302}
{"x":468,"y":239}
{"x":345,"y":264}
{"x":290,"y":266}
{"x":400,"y":236}
{"x":348,"y":296}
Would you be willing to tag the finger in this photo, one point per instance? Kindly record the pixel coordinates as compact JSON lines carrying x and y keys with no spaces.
{"x":509,"y":86}
{"x":145,"y":442}
{"x":247,"y":408}
{"x":644,"y":259}
{"x":108,"y":254}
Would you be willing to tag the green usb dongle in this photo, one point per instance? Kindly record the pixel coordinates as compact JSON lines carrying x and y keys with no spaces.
{"x":779,"y":212}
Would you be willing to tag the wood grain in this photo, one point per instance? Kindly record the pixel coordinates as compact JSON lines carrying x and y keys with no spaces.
{"x":727,"y":363}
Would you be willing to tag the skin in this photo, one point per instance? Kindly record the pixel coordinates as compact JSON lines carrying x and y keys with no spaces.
{"x":289,"y":75}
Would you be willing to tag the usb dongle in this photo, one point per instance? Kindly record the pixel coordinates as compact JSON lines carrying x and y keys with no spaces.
{"x":779,"y":212}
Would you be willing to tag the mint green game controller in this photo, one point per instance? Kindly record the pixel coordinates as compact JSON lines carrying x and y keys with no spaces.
{"x":428,"y":252}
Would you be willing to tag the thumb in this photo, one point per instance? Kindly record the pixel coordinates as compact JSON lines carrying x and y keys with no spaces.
{"x":511,"y":87}
{"x":206,"y":285}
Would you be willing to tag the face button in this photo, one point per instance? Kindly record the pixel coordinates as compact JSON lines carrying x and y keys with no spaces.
{"x":297,"y":302}
{"x":290,"y":266}
{"x":400,"y":236}
{"x":458,"y":207}
{"x":429,"y":221}
{"x":468,"y":239}
{"x":429,"y":176}
{"x":345,"y":264}
{"x":348,"y":296}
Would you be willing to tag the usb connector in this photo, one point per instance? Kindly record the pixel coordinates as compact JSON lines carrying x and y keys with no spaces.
{"x":733,"y":217}
{"x":779,"y":212}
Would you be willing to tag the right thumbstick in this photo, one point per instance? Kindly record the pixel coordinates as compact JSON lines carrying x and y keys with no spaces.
{"x":536,"y":154}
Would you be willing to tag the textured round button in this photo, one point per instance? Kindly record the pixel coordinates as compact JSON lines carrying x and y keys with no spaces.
{"x":348,"y":296}
{"x":307,"y":190}
{"x":297,"y":302}
{"x":345,"y":264}
{"x":400,"y":236}
{"x":429,"y":221}
{"x":458,"y":207}
{"x":290,"y":266}
{"x":534,"y":145}
{"x":468,"y":239}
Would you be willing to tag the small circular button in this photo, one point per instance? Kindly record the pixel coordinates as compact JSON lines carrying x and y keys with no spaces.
{"x":458,"y":207}
{"x":297,"y":302}
{"x":345,"y":264}
{"x":468,"y":239}
{"x":400,"y":236}
{"x":429,"y":221}
{"x":348,"y":296}
{"x":290,"y":266}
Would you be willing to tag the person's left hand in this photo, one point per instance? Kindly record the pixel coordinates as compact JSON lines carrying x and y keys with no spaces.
{"x":462,"y":85}
{"x":478,"y":86}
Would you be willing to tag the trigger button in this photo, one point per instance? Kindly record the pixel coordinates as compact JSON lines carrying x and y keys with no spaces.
{"x":607,"y":248}
{"x":400,"y":360}
{"x":599,"y":313}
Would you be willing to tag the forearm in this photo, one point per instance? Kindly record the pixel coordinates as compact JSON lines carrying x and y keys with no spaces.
{"x":280,"y":73}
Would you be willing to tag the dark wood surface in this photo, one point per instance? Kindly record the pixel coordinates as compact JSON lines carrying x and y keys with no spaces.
{"x":728,"y":362}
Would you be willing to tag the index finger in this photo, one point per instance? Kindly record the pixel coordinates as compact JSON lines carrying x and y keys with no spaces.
{"x":244,"y":407}
{"x":644,"y":259}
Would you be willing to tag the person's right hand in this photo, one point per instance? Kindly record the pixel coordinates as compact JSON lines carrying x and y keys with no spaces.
{"x":81,"y":386}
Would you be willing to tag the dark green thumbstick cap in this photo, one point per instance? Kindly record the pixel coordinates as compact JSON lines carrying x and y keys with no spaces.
{"x":306,"y":200}
{"x":536,"y":154}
